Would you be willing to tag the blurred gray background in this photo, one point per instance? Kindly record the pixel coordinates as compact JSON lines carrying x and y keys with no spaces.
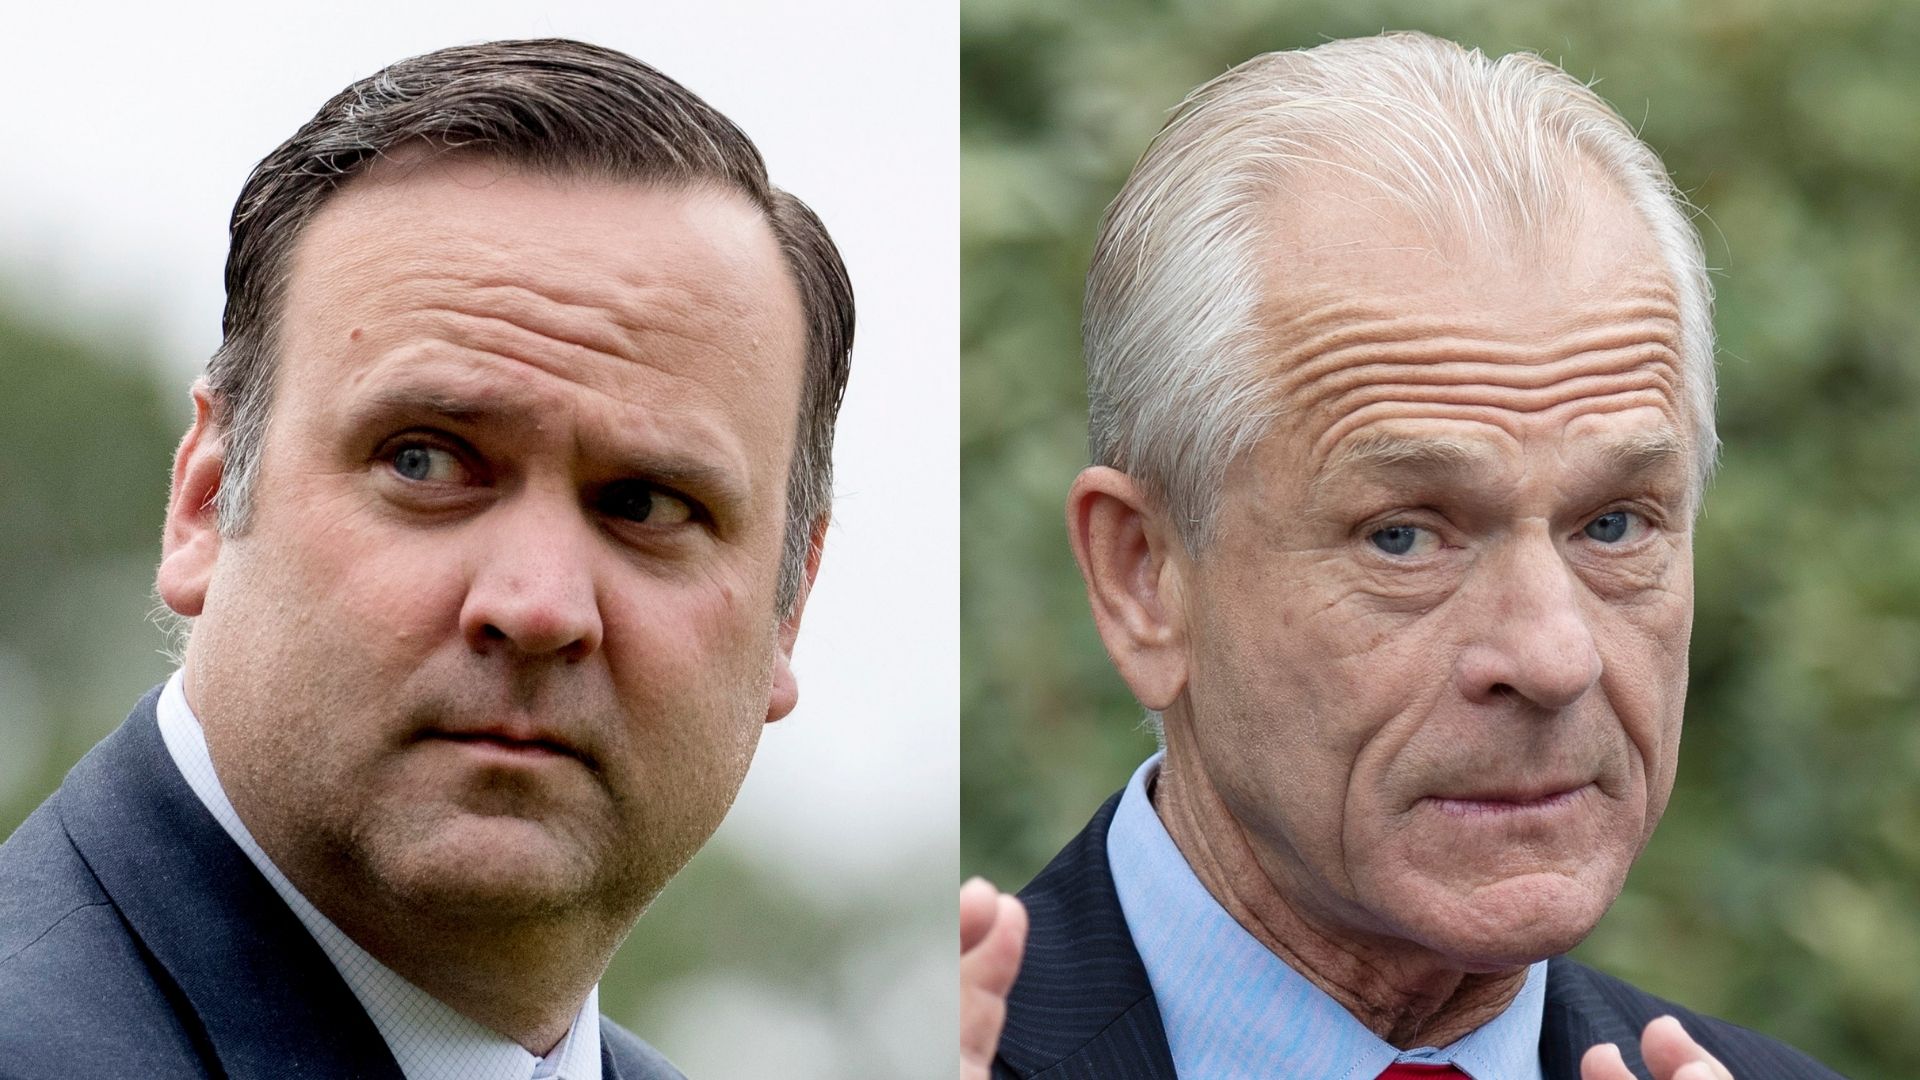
{"x":814,"y":937}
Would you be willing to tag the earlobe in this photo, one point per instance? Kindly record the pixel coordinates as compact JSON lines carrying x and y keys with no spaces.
{"x":786,"y":688}
{"x":1126,"y":548}
{"x":190,"y":543}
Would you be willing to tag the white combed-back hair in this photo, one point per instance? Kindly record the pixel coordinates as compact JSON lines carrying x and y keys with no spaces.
{"x":1175,"y":383}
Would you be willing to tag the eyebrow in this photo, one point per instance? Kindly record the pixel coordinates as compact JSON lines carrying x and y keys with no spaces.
{"x":1387,"y":453}
{"x":1645,"y":451}
{"x":711,"y":483}
{"x":403,"y":399}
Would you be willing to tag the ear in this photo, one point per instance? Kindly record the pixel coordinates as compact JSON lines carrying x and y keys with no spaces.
{"x":1131,"y":560}
{"x":190,"y":544}
{"x":786,"y":689}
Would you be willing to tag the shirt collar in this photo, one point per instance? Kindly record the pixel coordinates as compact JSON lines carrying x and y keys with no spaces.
{"x":429,"y":1039}
{"x":1231,"y":1007}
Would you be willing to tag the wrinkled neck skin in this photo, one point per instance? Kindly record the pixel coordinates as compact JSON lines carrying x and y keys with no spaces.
{"x":1406,"y":994}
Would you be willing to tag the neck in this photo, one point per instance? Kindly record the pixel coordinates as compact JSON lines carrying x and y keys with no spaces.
{"x":526,"y":982}
{"x":1406,"y":994}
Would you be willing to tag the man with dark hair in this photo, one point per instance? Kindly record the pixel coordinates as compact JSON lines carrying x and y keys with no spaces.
{"x":494,"y":525}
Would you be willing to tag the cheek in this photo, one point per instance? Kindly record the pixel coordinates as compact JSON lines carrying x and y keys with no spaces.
{"x":1303,"y":646}
{"x":388,"y":598}
{"x":701,"y":651}
{"x":1645,"y":653}
{"x":711,"y":621}
{"x":692,"y":672}
{"x":1295,"y":681}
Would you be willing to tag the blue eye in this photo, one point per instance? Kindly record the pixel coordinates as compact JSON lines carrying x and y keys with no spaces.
{"x":414,"y":463}
{"x":1609,"y":528}
{"x":422,"y":464}
{"x":1395,"y":539}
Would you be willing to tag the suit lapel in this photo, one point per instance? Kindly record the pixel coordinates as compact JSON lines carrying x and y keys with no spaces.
{"x":1579,"y":1017}
{"x":1082,"y":1007}
{"x":267,"y":998}
{"x":624,"y":1057}
{"x":609,"y":1068}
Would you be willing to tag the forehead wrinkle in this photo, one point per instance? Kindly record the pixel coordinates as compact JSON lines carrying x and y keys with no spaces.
{"x":547,"y":347}
{"x":432,"y":380}
{"x":1312,"y":335}
{"x":1329,"y":340}
{"x":681,"y":298}
{"x":1524,"y":389}
{"x":1347,"y":397}
{"x":609,"y":323}
{"x":1349,"y":357}
{"x":605,"y":365}
{"x":1491,"y":416}
{"x":1310,"y":316}
{"x":591,"y":310}
{"x":1330,"y":331}
{"x":1442,"y":360}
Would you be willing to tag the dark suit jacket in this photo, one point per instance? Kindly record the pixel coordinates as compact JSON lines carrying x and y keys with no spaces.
{"x":136,"y":940}
{"x":1083,"y":1010}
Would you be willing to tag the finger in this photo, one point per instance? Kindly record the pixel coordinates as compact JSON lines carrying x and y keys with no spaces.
{"x":1669,"y":1049}
{"x":1602,"y":1061}
{"x":987,"y":973}
{"x":982,"y":1015}
{"x":979,"y":900}
{"x":992,"y":964}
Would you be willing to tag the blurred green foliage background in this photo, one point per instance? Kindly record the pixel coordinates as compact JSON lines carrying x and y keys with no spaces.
{"x":1783,"y":889}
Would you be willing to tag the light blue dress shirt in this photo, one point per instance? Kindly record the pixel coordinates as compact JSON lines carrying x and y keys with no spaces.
{"x":428,"y":1038}
{"x":1233,"y":1009}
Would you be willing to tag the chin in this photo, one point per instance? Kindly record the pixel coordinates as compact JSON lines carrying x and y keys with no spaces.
{"x":489,"y":868}
{"x":1512,"y":922}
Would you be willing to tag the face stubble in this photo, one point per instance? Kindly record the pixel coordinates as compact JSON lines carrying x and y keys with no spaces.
{"x":334,"y":664}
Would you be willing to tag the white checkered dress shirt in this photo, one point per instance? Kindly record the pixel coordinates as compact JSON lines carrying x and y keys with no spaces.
{"x":428,"y":1038}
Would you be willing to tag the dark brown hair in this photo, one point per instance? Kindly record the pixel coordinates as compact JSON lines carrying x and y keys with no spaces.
{"x":556,"y":106}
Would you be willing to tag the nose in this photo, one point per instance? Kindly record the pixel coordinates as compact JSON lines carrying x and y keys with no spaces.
{"x":531,"y":591}
{"x":1537,"y":644}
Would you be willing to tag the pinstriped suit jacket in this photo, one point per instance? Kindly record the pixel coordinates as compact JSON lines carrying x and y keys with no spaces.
{"x":136,"y":940}
{"x":1083,"y":1010}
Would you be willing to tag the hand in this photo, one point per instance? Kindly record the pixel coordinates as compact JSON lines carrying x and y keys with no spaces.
{"x":993,"y":933}
{"x":1668,"y":1050}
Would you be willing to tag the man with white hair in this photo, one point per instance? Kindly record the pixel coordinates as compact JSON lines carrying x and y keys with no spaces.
{"x":1400,"y":366}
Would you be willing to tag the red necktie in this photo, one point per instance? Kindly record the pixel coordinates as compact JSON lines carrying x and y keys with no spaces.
{"x":1404,"y":1071}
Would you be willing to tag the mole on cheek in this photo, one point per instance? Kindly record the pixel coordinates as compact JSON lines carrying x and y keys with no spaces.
{"x":355,"y":335}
